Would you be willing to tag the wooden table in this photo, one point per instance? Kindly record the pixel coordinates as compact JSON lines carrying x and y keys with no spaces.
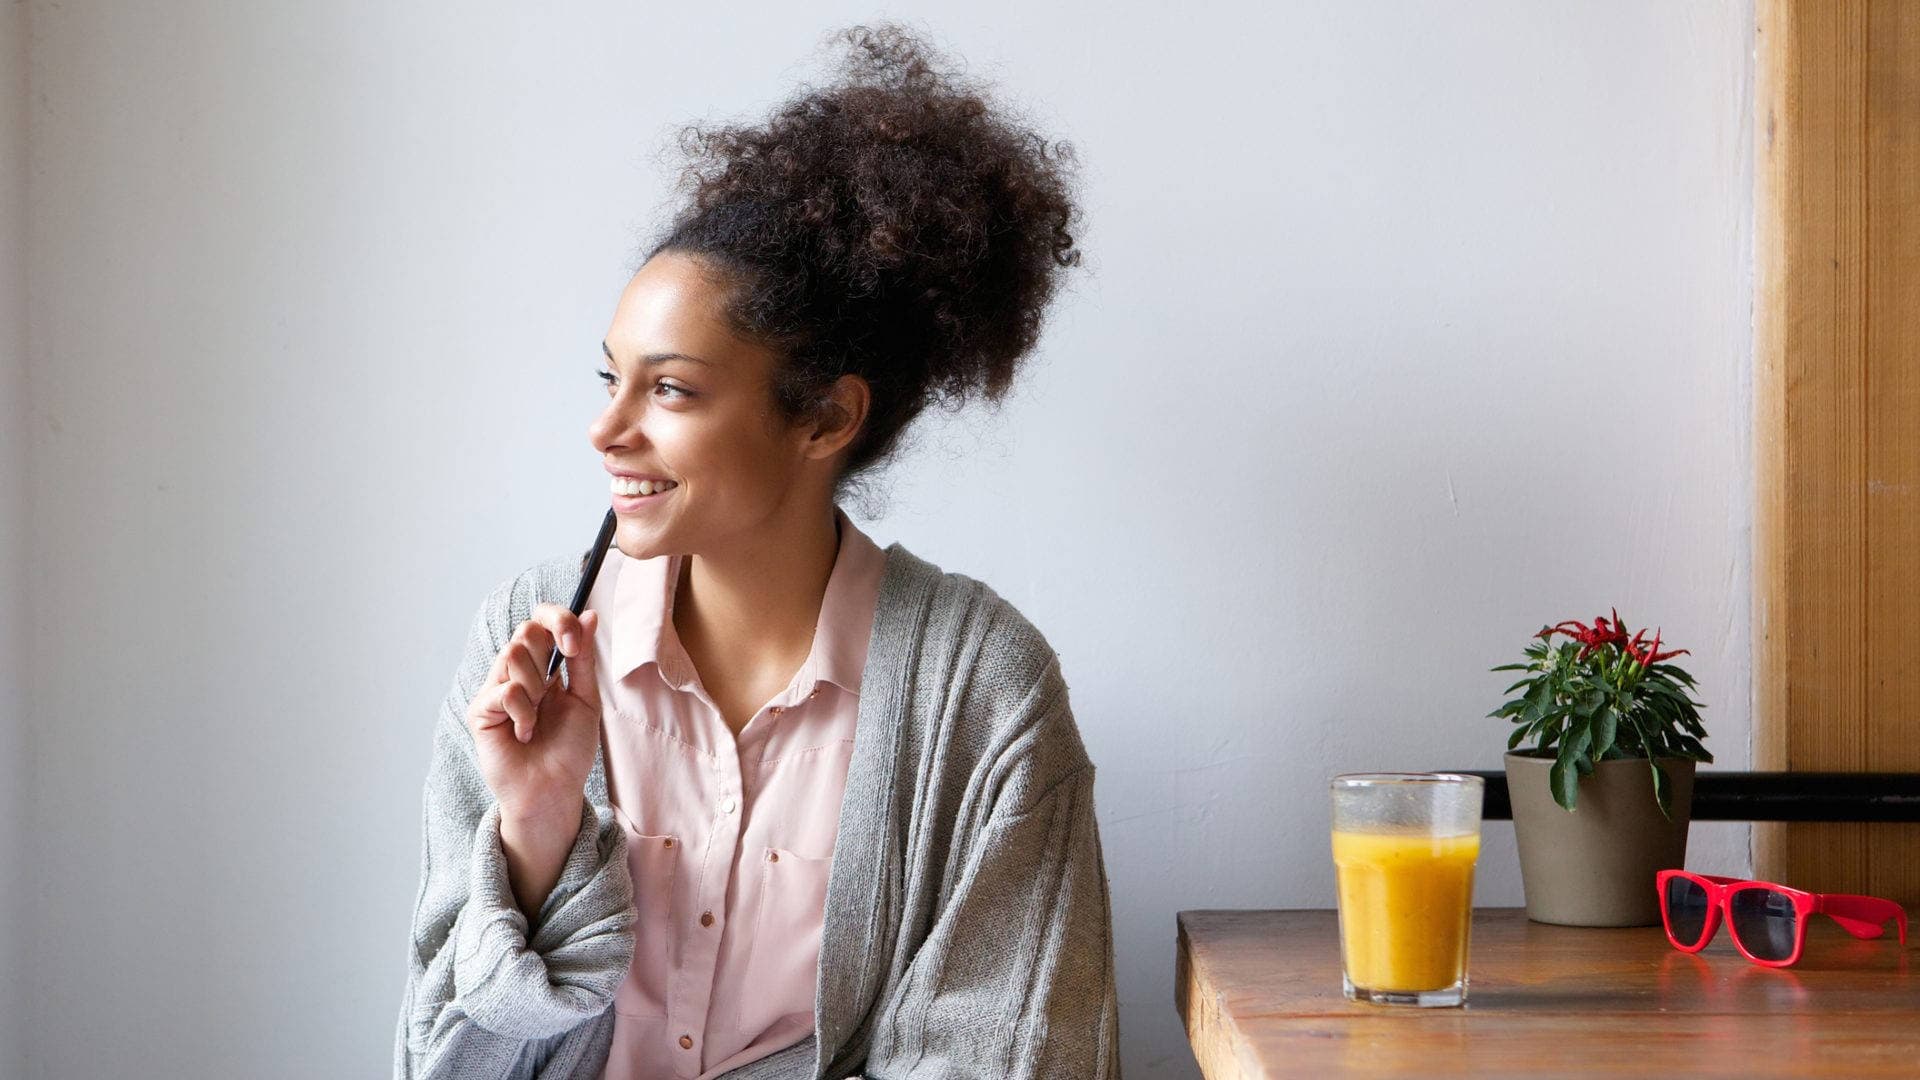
{"x":1260,"y":994}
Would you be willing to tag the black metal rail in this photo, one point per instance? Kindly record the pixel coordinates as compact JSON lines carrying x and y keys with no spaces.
{"x":1770,"y":796}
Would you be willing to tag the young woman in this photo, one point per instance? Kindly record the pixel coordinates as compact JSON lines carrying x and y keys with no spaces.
{"x":801,"y":807}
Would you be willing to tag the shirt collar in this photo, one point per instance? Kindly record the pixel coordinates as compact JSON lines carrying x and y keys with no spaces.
{"x":642,"y":627}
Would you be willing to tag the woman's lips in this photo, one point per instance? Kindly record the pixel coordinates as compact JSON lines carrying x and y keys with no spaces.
{"x":629,"y":504}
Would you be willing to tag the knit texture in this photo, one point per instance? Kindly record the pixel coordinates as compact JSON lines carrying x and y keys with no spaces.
{"x":967,"y":929}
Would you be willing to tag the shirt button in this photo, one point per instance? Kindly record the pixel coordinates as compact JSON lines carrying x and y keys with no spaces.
{"x":773,"y":856}
{"x":686,"y":1042}
{"x":706,"y":918}
{"x":815,"y":693}
{"x":776,"y":709}
{"x":728,"y":806}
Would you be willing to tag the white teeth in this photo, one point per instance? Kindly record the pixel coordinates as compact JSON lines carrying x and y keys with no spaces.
{"x":625,"y":486}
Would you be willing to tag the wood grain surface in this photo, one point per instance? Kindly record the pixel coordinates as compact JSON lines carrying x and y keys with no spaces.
{"x":1260,"y":994}
{"x":1836,"y":604}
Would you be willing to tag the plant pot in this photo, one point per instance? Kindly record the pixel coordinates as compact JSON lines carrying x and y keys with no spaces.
{"x":1595,"y":865}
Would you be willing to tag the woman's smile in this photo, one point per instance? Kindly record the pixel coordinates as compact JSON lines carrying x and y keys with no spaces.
{"x":631,"y":496}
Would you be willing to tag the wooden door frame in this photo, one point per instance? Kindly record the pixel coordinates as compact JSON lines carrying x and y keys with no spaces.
{"x":1837,"y":422}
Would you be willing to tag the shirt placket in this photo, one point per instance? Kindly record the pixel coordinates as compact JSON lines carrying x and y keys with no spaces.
{"x":691,"y":996}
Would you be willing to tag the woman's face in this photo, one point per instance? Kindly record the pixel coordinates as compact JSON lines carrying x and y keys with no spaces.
{"x":690,"y":402}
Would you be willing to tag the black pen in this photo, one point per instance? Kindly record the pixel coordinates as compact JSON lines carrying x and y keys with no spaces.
{"x":590,"y":569}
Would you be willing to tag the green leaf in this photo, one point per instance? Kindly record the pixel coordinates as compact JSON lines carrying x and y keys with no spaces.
{"x":1693,"y":748}
{"x":1514,"y":740}
{"x":1512,"y":667}
{"x":1580,"y":731}
{"x":1665,"y":689}
{"x":1659,"y":712}
{"x":1673,"y":673}
{"x":1565,"y":780}
{"x":1633,"y":732}
{"x":1655,"y":738}
{"x":1662,"y":793}
{"x":1605,"y":727}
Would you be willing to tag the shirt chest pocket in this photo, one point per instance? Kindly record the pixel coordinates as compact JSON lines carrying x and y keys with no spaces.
{"x":653,"y":860}
{"x":783,"y":956}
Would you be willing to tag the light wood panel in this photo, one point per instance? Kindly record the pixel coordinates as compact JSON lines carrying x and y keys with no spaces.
{"x":1837,"y":422}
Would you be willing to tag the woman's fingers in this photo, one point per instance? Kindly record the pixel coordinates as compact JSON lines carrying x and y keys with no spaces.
{"x":526,"y":668}
{"x":514,"y":702}
{"x":484,"y":710}
{"x":507,"y":699}
{"x":561,"y":626}
{"x":518,"y":679}
{"x":582,"y":676}
{"x":485,"y":716}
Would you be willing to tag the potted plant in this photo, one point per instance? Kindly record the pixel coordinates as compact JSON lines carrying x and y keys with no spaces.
{"x":1603,"y":795}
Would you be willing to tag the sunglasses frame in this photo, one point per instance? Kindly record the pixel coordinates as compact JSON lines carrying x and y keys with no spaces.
{"x":1862,"y":916}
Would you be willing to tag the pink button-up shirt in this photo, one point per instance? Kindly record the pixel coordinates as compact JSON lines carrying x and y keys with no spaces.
{"x":728,"y":840}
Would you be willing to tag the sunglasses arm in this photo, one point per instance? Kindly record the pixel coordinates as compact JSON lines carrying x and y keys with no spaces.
{"x":1862,"y":916}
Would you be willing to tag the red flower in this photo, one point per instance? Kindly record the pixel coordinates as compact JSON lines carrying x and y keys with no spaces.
{"x":1653,"y":654}
{"x":1613,"y":632}
{"x":1591,"y":637}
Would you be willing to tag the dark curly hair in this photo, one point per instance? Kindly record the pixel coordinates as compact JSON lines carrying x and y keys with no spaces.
{"x":891,"y":225}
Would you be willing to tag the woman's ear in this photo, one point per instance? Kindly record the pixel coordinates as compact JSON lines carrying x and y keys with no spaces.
{"x":841,"y":415}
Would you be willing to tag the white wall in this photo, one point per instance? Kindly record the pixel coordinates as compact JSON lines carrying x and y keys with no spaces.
{"x":15,"y":871}
{"x":1408,"y":328}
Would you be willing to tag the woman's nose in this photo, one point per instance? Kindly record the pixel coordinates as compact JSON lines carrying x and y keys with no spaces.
{"x":613,"y":427}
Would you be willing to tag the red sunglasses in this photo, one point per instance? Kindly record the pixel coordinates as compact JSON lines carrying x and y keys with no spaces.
{"x":1768,"y":921}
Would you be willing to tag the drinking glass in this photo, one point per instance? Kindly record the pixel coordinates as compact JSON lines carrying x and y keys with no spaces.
{"x":1404,"y":848}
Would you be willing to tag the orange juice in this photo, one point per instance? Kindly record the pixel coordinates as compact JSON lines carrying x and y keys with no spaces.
{"x":1406,"y":901}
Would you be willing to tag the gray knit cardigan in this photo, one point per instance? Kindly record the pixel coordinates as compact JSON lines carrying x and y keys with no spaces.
{"x":967,"y":933}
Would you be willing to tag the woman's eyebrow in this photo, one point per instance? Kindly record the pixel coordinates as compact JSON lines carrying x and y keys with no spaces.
{"x":657,"y":358}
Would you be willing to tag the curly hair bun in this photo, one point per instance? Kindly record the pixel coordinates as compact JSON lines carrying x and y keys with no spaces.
{"x":894,"y":225}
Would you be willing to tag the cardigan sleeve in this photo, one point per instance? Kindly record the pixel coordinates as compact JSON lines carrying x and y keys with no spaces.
{"x":1016,"y":976}
{"x":489,"y":994}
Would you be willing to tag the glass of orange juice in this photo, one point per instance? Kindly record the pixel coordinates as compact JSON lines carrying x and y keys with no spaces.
{"x":1404,"y":847}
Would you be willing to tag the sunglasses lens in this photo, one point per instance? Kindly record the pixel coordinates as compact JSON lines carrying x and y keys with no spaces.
{"x":1686,"y":910}
{"x":1764,"y":921}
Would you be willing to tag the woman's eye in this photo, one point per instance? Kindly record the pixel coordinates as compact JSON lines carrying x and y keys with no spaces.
{"x":674,"y":391}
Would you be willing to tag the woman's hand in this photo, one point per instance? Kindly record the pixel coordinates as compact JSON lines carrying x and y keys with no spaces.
{"x":536,"y":739}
